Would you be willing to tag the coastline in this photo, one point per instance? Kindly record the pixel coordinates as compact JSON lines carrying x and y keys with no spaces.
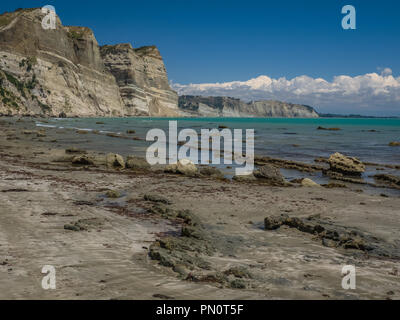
{"x":119,"y":243}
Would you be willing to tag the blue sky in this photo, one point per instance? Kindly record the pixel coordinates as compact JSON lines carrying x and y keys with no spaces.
{"x":223,"y":41}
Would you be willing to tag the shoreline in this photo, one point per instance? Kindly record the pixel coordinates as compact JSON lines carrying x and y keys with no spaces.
{"x":118,"y":244}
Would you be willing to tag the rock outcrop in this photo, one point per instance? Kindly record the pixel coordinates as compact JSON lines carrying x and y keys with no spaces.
{"x":198,"y":106}
{"x":345,"y":165}
{"x":142,"y":79}
{"x":51,"y":72}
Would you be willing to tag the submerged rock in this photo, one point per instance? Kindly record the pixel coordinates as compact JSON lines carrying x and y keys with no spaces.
{"x":329,"y":129}
{"x":394,"y":144}
{"x":345,"y":165}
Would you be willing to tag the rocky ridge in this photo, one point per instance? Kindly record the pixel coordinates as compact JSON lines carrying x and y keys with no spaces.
{"x":232,"y":107}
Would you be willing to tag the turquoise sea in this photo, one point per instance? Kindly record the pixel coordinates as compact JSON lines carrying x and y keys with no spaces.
{"x":286,"y":138}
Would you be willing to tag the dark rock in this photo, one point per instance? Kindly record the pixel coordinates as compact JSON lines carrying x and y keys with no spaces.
{"x":113,"y":194}
{"x":83,"y":160}
{"x":74,"y":150}
{"x":156,"y":198}
{"x":270,"y":174}
{"x":71,"y":227}
{"x":239,"y":272}
{"x":211,"y":172}
{"x":329,"y":129}
{"x":238,"y":284}
{"x":244,"y":178}
{"x":274,"y":222}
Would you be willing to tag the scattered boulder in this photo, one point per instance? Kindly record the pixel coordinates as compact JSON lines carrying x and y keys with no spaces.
{"x":133,"y":162}
{"x":130,"y":131}
{"x":82,"y":131}
{"x":274,"y":222}
{"x":183,"y":166}
{"x":306,"y":182}
{"x":83,"y":160}
{"x":62,"y":115}
{"x":115,"y":161}
{"x":270,"y":174}
{"x":345,"y":165}
{"x":394,"y":144}
{"x":186,"y":167}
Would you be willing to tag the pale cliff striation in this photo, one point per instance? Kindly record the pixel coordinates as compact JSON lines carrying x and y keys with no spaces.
{"x":142,"y":79}
{"x":62,"y":72}
{"x":231,"y":107}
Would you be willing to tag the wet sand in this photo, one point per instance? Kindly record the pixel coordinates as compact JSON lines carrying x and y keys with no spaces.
{"x":109,"y":257}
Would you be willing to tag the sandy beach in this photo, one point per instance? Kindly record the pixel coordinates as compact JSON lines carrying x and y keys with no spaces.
{"x":119,"y":233}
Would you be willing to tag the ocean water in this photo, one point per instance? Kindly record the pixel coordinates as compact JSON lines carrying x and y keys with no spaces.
{"x":292,"y":139}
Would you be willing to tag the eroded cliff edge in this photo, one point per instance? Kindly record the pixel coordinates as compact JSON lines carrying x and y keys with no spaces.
{"x":231,"y":107}
{"x":62,"y":72}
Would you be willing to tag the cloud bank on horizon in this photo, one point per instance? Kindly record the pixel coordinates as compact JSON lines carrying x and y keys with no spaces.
{"x":372,"y":93}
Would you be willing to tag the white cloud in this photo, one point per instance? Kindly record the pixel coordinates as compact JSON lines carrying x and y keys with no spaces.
{"x":371,"y":93}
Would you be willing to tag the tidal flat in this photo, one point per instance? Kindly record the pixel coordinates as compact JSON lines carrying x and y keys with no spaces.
{"x":119,"y":229}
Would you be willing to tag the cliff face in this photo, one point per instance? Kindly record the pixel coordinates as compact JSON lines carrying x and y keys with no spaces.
{"x":142,"y":79}
{"x":62,"y":71}
{"x":198,"y":106}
